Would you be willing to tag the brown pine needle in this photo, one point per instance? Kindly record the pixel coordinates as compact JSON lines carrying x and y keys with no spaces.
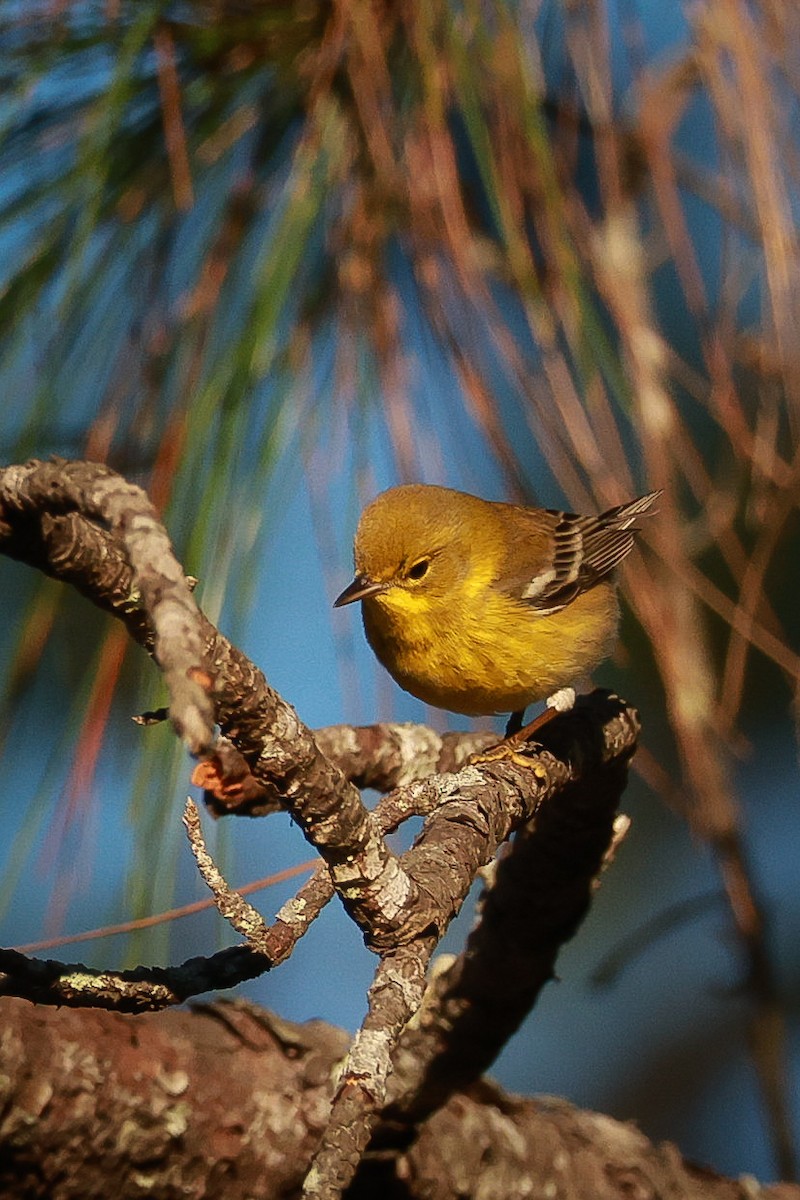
{"x":172,"y":914}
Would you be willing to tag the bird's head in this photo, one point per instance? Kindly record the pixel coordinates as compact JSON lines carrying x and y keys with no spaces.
{"x":409,"y":550}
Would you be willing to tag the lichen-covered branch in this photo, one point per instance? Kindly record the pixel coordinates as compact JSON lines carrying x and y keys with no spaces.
{"x":371,"y":756}
{"x":237,"y":911}
{"x":94,"y":1097}
{"x":394,"y":997}
{"x":155,"y":988}
{"x":142,"y":989}
{"x":149,"y":989}
{"x":542,"y":890}
{"x":111,"y":567}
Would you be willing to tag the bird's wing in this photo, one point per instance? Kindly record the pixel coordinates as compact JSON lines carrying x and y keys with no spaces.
{"x":584,"y":550}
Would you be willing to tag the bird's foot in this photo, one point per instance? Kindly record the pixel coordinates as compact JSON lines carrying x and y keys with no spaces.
{"x":509,"y":750}
{"x":519,"y":735}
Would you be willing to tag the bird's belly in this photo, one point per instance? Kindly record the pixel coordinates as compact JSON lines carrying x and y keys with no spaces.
{"x":492,"y":663}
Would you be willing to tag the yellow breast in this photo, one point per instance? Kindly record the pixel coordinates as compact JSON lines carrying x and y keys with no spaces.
{"x":487,"y":653}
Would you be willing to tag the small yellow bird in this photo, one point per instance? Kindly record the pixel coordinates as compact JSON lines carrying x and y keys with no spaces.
{"x":481,"y":607}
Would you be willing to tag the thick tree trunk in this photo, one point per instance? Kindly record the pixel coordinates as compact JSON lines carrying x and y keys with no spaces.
{"x":229,"y":1100}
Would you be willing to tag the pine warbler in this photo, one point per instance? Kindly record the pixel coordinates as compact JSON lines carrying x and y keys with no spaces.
{"x":481,"y":607}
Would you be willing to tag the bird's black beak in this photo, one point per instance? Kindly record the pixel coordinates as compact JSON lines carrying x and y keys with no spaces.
{"x":359,"y":589}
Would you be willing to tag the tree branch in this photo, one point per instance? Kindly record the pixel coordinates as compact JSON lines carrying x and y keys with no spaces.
{"x":371,"y":756}
{"x":537,"y":897}
{"x":541,"y":893}
{"x":112,"y":569}
{"x":92,"y":1097}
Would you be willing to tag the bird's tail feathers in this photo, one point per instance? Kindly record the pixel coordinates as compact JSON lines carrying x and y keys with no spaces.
{"x":623,"y":515}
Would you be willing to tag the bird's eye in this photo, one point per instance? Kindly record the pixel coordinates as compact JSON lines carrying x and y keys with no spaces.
{"x":419,"y":568}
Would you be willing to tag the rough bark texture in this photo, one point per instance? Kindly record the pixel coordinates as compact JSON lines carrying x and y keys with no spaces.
{"x":228,"y":1100}
{"x":370,"y":756}
{"x":540,"y":891}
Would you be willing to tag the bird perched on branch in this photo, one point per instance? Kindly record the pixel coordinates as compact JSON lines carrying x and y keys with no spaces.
{"x":481,"y":607}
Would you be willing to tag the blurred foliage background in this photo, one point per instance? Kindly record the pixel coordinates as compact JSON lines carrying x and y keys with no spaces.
{"x":268,"y":258}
